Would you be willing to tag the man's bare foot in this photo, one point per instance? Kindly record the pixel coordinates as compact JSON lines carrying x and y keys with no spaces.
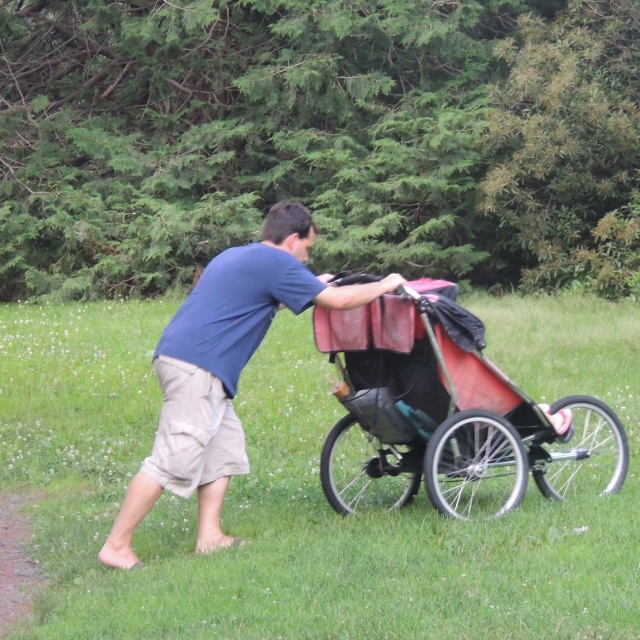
{"x":124,"y":559}
{"x":225,"y":542}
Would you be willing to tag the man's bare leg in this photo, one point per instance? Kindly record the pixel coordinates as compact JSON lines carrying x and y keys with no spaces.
{"x":210,"y":499}
{"x":142,"y":494}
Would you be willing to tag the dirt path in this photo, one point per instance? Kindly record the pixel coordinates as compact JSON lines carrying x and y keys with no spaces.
{"x":20,"y":577}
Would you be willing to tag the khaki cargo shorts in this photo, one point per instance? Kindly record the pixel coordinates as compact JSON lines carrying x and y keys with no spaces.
{"x":199,"y":437}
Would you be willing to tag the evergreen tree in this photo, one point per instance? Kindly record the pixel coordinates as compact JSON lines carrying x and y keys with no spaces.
{"x":141,"y":138}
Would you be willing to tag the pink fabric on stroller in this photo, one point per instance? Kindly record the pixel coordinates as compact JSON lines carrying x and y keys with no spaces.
{"x":393,"y":324}
{"x":388,"y":323}
{"x":335,"y":330}
{"x":478,"y":383}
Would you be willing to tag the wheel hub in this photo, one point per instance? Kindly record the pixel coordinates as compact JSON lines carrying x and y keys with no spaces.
{"x":477,"y":470}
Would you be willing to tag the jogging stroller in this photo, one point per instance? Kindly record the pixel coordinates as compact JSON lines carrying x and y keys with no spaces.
{"x":422,"y":400}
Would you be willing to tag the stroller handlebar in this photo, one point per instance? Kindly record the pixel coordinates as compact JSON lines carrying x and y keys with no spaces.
{"x":405,"y":290}
{"x":342,"y":279}
{"x":423,"y":304}
{"x":408,"y":291}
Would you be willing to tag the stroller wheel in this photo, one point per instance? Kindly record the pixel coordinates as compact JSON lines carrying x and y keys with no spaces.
{"x":593,"y":462}
{"x":475,"y":466}
{"x":359,"y":474}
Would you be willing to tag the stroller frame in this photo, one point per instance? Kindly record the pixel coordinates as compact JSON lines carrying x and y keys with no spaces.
{"x":476,"y":462}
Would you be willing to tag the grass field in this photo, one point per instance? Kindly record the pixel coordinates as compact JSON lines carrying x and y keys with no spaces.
{"x":78,"y":407}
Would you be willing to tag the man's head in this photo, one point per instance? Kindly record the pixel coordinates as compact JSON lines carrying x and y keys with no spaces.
{"x":290,"y":227}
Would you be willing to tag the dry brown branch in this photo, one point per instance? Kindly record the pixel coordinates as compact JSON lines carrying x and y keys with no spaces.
{"x":181,"y":87}
{"x":93,"y":47}
{"x":99,"y":77}
{"x":111,"y":88}
{"x":66,"y":71}
{"x":148,"y":4}
{"x":48,"y":63}
{"x":11,"y":74}
{"x":9,"y":166}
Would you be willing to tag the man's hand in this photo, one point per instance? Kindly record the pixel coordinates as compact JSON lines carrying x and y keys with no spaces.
{"x":355,"y":295}
{"x":325,"y":277}
{"x":393,"y":281}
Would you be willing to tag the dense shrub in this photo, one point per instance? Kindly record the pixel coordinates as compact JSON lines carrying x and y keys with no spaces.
{"x":565,"y":137}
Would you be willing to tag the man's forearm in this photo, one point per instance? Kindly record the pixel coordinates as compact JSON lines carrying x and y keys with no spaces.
{"x":356,"y":295}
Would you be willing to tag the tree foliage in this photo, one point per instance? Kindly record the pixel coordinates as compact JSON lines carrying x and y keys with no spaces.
{"x":565,"y":143}
{"x":119,"y":169}
{"x":140,"y":138}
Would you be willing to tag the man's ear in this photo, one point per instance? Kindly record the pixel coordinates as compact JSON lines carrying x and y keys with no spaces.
{"x":290,"y":240}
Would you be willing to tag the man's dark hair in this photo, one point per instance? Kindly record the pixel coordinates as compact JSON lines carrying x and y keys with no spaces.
{"x":285,"y":218}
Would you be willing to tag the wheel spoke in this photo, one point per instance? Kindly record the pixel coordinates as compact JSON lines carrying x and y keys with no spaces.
{"x":352,"y":483}
{"x":459,"y":490}
{"x":563,"y":488}
{"x":474,"y":489}
{"x":354,"y":503}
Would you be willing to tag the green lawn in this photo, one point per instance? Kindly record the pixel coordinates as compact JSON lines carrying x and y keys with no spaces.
{"x":78,"y":407}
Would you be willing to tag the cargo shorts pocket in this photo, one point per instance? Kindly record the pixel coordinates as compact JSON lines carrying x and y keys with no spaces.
{"x":184,"y":449}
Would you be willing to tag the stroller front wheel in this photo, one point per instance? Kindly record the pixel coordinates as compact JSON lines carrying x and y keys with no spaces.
{"x":359,"y":473}
{"x":594,"y":462}
{"x":475,"y":466}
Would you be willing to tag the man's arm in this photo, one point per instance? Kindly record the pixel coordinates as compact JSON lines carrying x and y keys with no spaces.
{"x":355,"y":295}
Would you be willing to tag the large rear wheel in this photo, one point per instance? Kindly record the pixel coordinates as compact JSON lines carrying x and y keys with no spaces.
{"x":475,"y":466}
{"x":594,"y":462}
{"x":359,"y":473}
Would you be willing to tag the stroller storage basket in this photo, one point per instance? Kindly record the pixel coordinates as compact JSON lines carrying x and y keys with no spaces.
{"x":377,"y":413}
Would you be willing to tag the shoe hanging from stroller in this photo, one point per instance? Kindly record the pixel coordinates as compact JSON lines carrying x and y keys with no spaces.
{"x":422,"y":400}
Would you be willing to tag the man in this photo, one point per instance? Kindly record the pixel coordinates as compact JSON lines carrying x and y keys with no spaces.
{"x":200,"y":443}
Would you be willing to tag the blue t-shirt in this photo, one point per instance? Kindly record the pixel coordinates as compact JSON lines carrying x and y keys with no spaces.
{"x":228,"y":313}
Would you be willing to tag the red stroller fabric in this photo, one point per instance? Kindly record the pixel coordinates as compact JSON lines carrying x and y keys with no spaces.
{"x":388,"y":323}
{"x":335,"y":330}
{"x":478,"y":383}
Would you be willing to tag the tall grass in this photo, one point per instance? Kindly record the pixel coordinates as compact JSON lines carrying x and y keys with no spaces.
{"x":78,"y":407}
